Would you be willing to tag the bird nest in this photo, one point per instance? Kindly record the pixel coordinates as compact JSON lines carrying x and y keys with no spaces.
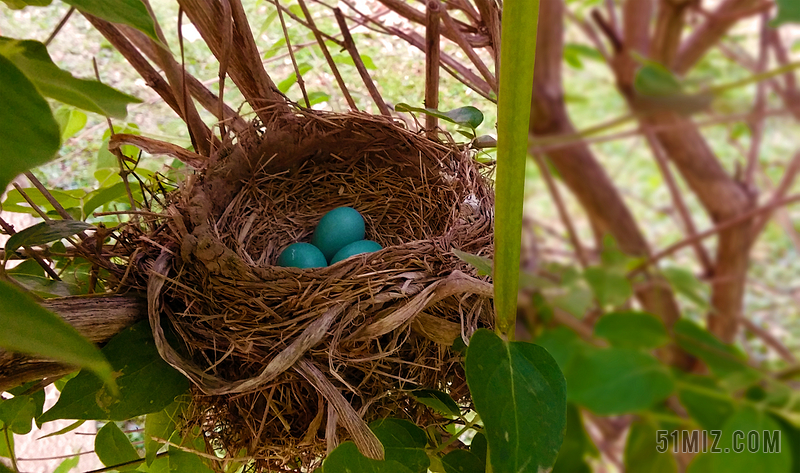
{"x":287,"y":362}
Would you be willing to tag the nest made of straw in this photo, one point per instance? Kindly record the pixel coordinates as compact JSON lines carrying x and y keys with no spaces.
{"x":285,"y":361}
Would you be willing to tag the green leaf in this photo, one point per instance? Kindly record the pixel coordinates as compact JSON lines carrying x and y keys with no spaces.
{"x":68,"y":464}
{"x":29,"y":328}
{"x":347,"y":459}
{"x":686,"y":284}
{"x":28,"y":131}
{"x":563,"y":345}
{"x":70,"y":121}
{"x":736,"y":456}
{"x":146,"y":382}
{"x":160,"y":425}
{"x":655,"y":80}
{"x":788,"y":12}
{"x":465,"y":116}
{"x":20,"y":4}
{"x":287,"y":83}
{"x":438,"y":401}
{"x":18,"y":412}
{"x":127,"y":12}
{"x":576,"y":447}
{"x":346,"y":59}
{"x":113,"y":447}
{"x":65,"y":430}
{"x":479,"y":446}
{"x":516,"y":385}
{"x":705,"y":401}
{"x":45,"y":232}
{"x":103,"y":196}
{"x":632,"y":330}
{"x":462,"y":461}
{"x":32,"y":59}
{"x":403,"y":442}
{"x":182,"y":461}
{"x":481,"y":263}
{"x":640,"y":451}
{"x":317,"y":97}
{"x":4,"y":447}
{"x":610,"y":287}
{"x":15,"y":202}
{"x":617,"y":380}
{"x":725,"y":361}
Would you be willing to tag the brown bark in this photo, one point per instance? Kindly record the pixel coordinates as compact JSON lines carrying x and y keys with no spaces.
{"x":577,"y":165}
{"x":96,"y":318}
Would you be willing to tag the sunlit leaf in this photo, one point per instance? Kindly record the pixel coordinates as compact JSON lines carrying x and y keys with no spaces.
{"x":18,"y":412}
{"x":465,"y":116}
{"x":516,"y":385}
{"x":481,"y":263}
{"x":70,"y":121}
{"x":68,"y":464}
{"x":31,"y":329}
{"x":160,"y":425}
{"x":32,"y":59}
{"x":28,"y":131}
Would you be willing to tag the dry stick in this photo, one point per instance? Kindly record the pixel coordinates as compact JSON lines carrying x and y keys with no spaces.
{"x":757,"y":123}
{"x":713,"y":231}
{"x":9,"y":230}
{"x":490,"y":17}
{"x":59,"y":26}
{"x":562,"y":210}
{"x":791,"y":96}
{"x":123,"y":171}
{"x":300,"y":82}
{"x":415,"y":16}
{"x":224,"y":61}
{"x":467,"y":48}
{"x":680,"y":205}
{"x":331,"y":63}
{"x":362,"y":70}
{"x":432,"y":63}
{"x":783,"y":188}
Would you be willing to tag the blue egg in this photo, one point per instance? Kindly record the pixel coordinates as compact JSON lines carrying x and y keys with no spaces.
{"x":302,"y":255}
{"x":356,"y":248}
{"x":337,"y":229}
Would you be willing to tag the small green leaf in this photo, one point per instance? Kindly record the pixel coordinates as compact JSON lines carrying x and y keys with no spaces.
{"x":113,"y":447}
{"x":516,"y":385}
{"x":15,"y":202}
{"x":481,"y":263}
{"x":127,"y":12}
{"x":65,"y":430}
{"x":742,"y":444}
{"x":788,"y":12}
{"x":655,"y":80}
{"x":29,"y":328}
{"x":68,"y":465}
{"x":640,"y":451}
{"x":317,"y":97}
{"x":705,"y":401}
{"x":287,"y":83}
{"x":465,"y":116}
{"x":347,"y":459}
{"x":403,"y":442}
{"x":160,"y":425}
{"x":438,"y":401}
{"x":617,"y":380}
{"x":45,"y":232}
{"x":70,"y":121}
{"x":632,"y":330}
{"x":146,"y":382}
{"x":686,"y":284}
{"x":18,"y":412}
{"x":724,"y":360}
{"x":462,"y":461}
{"x":611,"y":288}
{"x":100,"y":197}
{"x":32,"y":59}
{"x":28,"y":131}
{"x":479,"y":446}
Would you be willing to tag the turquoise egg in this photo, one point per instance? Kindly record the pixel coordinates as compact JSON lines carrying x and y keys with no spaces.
{"x":302,"y":255}
{"x":337,"y":229}
{"x":356,"y":248}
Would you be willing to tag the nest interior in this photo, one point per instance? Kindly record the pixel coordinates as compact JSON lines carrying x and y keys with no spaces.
{"x":287,"y":362}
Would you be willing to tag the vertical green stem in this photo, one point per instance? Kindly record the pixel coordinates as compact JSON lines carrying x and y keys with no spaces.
{"x":517,"y":57}
{"x":10,"y":450}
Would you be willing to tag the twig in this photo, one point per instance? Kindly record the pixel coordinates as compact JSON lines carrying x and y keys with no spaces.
{"x":562,"y":210}
{"x":9,"y":230}
{"x":60,"y":25}
{"x":769,"y":340}
{"x":757,"y":123}
{"x":783,"y":188}
{"x":467,"y":48}
{"x":362,"y":70}
{"x":47,"y":195}
{"x":680,"y":205}
{"x":331,"y":63}
{"x":432,"y":63}
{"x":300,"y":82}
{"x":713,"y":231}
{"x":33,"y":205}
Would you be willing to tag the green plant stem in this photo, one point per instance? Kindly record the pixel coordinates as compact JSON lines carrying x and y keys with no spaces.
{"x":127,"y":463}
{"x":517,"y":59}
{"x":11,"y":454}
{"x":755,"y":78}
{"x":455,"y":437}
